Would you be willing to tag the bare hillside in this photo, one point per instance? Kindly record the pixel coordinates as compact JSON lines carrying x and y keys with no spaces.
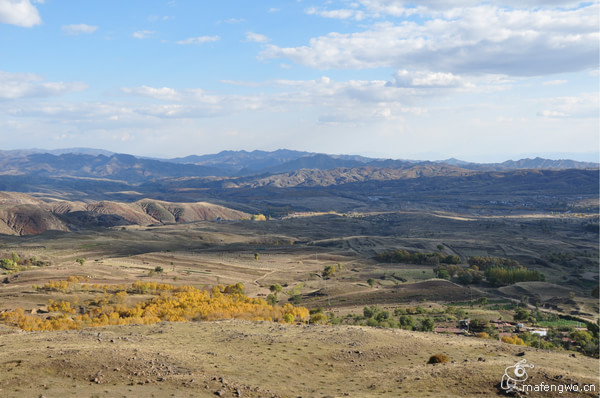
{"x":21,"y":214}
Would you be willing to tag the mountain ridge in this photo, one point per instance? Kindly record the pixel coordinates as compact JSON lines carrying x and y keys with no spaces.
{"x":94,"y":163}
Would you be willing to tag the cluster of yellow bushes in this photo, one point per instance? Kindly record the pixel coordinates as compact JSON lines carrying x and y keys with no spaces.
{"x":179,"y":304}
{"x":75,"y":283}
{"x":62,"y":285}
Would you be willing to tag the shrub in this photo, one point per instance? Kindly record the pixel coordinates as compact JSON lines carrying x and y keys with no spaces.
{"x":438,"y":358}
{"x":318,"y":318}
{"x":272,"y":299}
{"x":275,"y":288}
{"x":482,"y":335}
{"x":427,"y":325}
{"x":513,"y":340}
{"x":328,"y":271}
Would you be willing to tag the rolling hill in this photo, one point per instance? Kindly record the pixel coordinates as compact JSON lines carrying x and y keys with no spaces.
{"x":22,"y":214}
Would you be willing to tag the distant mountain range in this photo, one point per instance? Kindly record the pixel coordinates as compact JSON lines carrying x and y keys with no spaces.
{"x":87,"y":188}
{"x":97,"y":163}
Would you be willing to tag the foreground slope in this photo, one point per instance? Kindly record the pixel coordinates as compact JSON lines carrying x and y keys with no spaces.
{"x":264,"y":359}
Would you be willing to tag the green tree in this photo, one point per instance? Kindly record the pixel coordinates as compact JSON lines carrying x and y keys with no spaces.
{"x":521,"y":315}
{"x":443,"y":274}
{"x":581,"y":337}
{"x":81,"y":261}
{"x":406,"y":322}
{"x":272,"y":299}
{"x":275,"y":288}
{"x":427,"y":325}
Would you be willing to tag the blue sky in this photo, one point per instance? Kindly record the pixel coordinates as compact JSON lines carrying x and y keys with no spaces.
{"x":478,"y":80}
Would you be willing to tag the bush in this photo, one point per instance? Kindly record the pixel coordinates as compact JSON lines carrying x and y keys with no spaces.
{"x":275,"y":288}
{"x":427,"y":325}
{"x":328,"y":271}
{"x":438,"y":358}
{"x":272,"y":299}
{"x":513,"y":340}
{"x":318,"y":318}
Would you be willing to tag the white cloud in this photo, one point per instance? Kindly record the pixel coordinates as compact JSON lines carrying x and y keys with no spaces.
{"x":344,"y":13}
{"x":164,"y":93}
{"x":19,"y":12}
{"x":426,"y":79}
{"x":256,"y":37}
{"x":483,"y":39}
{"x":585,"y":105}
{"x":21,"y":85}
{"x":191,"y":103}
{"x":78,"y":29}
{"x":143,"y":34}
{"x":397,"y":8}
{"x":199,"y":40}
{"x":273,"y":9}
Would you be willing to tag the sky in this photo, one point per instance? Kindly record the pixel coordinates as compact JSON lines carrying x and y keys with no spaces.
{"x":482,"y":81}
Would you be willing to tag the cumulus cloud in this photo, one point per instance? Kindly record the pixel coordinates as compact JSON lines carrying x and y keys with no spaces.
{"x":78,"y":29}
{"x":256,"y":37}
{"x":19,"y":12}
{"x":199,"y":40}
{"x":143,"y":34}
{"x":484,"y":39}
{"x":21,"y":85}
